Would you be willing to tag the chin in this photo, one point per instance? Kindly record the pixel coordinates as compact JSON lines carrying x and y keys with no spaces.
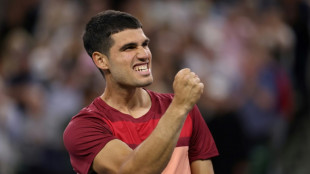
{"x":145,"y":84}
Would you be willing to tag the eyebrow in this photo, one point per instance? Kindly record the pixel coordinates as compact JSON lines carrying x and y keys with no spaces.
{"x":133,"y":44}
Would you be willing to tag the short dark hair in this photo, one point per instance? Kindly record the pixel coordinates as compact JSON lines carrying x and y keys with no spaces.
{"x":100,"y":27}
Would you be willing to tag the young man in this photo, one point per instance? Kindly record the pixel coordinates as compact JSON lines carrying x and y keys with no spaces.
{"x":129,"y":129}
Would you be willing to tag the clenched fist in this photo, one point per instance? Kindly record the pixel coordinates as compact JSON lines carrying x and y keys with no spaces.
{"x":187,"y":89}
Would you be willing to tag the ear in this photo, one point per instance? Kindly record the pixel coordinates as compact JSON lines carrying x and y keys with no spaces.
{"x":100,"y":60}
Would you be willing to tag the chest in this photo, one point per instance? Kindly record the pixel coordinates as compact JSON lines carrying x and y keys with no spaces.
{"x":134,"y":133}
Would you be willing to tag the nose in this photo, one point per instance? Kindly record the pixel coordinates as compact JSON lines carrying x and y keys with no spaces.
{"x":143,"y":53}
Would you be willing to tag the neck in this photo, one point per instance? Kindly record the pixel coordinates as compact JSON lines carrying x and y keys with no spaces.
{"x":129,"y":101}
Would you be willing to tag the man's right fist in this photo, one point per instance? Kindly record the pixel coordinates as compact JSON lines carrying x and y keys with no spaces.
{"x":187,"y":89}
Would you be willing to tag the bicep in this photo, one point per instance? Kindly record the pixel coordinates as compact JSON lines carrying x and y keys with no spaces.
{"x":111,"y":157}
{"x":202,"y":167}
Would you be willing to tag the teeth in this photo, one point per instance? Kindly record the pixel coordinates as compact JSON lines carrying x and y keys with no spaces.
{"x":141,"y":68}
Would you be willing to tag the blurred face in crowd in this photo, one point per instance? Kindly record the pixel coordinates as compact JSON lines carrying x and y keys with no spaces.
{"x":129,"y":61}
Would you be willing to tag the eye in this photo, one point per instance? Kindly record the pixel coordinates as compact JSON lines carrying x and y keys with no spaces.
{"x":129,"y":48}
{"x":145,"y":44}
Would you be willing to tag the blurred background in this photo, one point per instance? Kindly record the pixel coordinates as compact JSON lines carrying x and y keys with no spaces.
{"x":251,"y":54}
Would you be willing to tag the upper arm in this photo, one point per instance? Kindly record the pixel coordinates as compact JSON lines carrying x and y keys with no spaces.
{"x":111,"y":157}
{"x":202,"y":167}
{"x":84,"y":138}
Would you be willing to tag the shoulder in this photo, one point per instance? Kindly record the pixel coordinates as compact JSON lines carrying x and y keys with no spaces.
{"x":160,"y":101}
{"x":96,"y":109}
{"x":87,"y":118}
{"x":89,"y":122}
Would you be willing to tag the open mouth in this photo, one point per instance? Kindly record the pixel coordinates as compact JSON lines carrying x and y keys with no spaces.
{"x":141,"y":68}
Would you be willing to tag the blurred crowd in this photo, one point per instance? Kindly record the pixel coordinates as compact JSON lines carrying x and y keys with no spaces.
{"x":251,"y":54}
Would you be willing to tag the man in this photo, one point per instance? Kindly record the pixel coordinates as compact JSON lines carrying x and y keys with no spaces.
{"x":129,"y":129}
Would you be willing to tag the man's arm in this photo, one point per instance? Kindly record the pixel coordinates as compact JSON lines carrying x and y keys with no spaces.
{"x":152,"y":155}
{"x":202,"y":167}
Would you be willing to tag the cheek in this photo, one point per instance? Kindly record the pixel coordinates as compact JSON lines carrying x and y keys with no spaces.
{"x":127,"y":57}
{"x":150,"y":53}
{"x":122,"y":60}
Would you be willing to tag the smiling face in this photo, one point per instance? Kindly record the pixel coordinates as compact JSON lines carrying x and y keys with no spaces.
{"x":129,"y":62}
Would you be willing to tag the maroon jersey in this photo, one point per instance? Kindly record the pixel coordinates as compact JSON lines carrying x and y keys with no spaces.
{"x":94,"y":126}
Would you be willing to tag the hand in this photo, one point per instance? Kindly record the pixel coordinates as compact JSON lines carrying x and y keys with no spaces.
{"x":187,"y":89}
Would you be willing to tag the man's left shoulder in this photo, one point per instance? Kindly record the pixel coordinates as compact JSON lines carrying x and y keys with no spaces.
{"x":161,"y":96}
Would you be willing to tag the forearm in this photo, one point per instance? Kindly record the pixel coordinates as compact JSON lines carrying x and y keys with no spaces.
{"x":202,"y":167}
{"x":154,"y":153}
